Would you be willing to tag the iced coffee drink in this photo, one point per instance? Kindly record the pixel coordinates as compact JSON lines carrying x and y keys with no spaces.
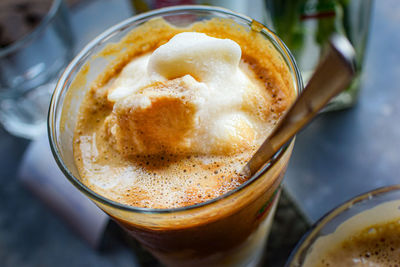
{"x":162,"y":132}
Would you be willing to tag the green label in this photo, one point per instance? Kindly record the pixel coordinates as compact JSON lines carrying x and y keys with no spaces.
{"x":267,"y":206}
{"x":318,"y":9}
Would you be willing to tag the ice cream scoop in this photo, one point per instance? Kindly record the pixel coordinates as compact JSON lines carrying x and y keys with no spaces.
{"x":186,"y":97}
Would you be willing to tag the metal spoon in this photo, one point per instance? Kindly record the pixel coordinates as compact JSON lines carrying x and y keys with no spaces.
{"x":333,"y":74}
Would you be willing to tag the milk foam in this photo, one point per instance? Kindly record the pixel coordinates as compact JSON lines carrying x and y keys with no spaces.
{"x":185,"y":180}
{"x":363,"y":234}
{"x":194,"y":75}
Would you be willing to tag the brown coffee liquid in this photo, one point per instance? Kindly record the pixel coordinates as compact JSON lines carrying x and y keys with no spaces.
{"x":168,"y":180}
{"x":376,"y":245}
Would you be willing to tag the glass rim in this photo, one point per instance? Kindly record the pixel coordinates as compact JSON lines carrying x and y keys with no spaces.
{"x":310,"y":236}
{"x":60,"y":88}
{"x":20,"y":43}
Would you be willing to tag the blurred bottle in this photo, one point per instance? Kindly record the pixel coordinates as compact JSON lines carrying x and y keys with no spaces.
{"x":141,"y":6}
{"x":248,"y":8}
{"x":305,"y":26}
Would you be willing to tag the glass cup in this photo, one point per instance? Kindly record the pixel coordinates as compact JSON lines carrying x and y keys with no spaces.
{"x":29,"y":68}
{"x":306,"y":25}
{"x":363,"y":216}
{"x":230,"y":230}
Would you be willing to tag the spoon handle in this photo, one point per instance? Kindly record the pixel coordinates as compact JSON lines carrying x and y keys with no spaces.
{"x":333,"y":74}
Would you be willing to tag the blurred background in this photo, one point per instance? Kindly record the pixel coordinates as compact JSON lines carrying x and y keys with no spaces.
{"x":349,"y":149}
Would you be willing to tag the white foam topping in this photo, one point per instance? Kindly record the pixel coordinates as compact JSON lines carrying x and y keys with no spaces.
{"x":199,"y":73}
{"x":207,"y":59}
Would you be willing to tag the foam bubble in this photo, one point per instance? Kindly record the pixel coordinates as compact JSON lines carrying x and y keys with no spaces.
{"x":172,"y":182}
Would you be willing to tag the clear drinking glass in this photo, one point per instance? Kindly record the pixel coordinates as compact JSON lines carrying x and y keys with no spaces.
{"x":367,"y":211}
{"x":29,"y":68}
{"x":230,"y":230}
{"x":305,"y":27}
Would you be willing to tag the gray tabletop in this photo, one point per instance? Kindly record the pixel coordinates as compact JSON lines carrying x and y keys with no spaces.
{"x":339,"y":155}
{"x":343,"y":154}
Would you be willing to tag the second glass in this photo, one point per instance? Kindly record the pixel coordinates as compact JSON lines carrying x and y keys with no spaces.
{"x":364,"y":231}
{"x":29,"y":69}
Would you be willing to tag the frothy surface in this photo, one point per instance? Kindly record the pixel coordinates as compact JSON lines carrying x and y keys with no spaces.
{"x":155,"y":133}
{"x":378,"y":245}
{"x":371,"y":238}
{"x":162,"y":181}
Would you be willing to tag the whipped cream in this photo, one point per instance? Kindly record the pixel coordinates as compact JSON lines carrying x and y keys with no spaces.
{"x":189,"y":96}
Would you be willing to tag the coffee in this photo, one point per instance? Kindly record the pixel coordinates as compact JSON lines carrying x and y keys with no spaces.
{"x":174,"y":184}
{"x":182,"y":139}
{"x":377,"y":245}
{"x":371,"y":238}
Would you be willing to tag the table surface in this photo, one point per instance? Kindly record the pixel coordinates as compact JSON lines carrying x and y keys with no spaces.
{"x":341,"y":154}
